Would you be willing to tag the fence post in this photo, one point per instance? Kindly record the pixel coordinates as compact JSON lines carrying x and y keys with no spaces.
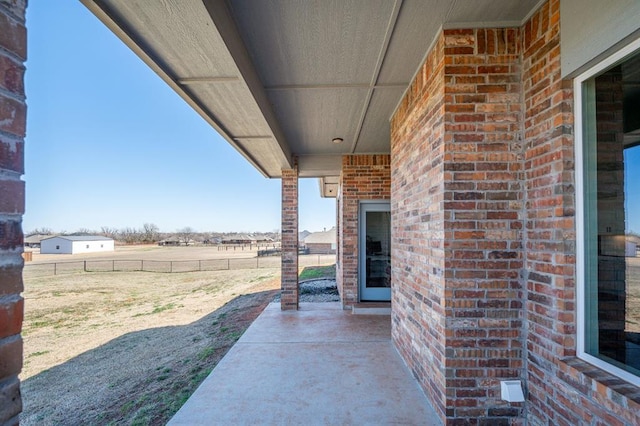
{"x":199,"y":265}
{"x":113,"y":265}
{"x":227,"y":264}
{"x":85,"y":266}
{"x":141,"y":265}
{"x":170,"y":266}
{"x":55,"y":268}
{"x":257,"y":262}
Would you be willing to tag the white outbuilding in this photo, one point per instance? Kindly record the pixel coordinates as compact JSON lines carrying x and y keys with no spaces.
{"x":76,"y":244}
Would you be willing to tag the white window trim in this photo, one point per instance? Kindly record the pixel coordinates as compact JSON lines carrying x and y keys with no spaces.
{"x":579,"y":177}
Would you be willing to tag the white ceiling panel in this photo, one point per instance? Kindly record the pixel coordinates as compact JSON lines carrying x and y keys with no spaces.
{"x":312,"y":118}
{"x":280,"y":79}
{"x":418,"y":24}
{"x":505,"y":12}
{"x":181,"y":33}
{"x":375,"y":134}
{"x":314,"y":42}
{"x":264,"y":152}
{"x":318,"y":165}
{"x":233,"y":106}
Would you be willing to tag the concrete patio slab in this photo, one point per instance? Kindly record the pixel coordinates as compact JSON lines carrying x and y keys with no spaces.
{"x":319,"y":365}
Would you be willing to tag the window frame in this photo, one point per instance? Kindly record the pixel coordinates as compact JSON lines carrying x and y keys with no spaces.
{"x":581,"y":215}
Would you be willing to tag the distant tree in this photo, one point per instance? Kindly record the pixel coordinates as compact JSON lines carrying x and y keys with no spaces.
{"x":129,"y":235}
{"x":150,"y":233}
{"x":109,"y":232}
{"x":40,"y":231}
{"x":84,"y":231}
{"x":185,"y":234}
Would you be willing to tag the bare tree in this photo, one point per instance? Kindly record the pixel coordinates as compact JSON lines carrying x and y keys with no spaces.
{"x":129,"y":235}
{"x":150,"y":233}
{"x":84,"y":231}
{"x":185,"y":234}
{"x":109,"y":232}
{"x":41,"y":231}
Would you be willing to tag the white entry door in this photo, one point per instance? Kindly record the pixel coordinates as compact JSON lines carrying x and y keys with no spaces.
{"x":375,"y":251}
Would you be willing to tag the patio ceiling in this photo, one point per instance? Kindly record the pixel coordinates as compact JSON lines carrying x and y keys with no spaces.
{"x":280,"y":79}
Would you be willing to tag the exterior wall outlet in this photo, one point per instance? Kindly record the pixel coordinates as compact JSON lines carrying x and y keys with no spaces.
{"x":511,"y":391}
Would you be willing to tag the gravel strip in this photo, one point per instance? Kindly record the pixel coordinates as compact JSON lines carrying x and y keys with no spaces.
{"x":323,"y":290}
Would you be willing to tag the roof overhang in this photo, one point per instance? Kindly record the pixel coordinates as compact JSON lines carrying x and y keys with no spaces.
{"x":281,"y":79}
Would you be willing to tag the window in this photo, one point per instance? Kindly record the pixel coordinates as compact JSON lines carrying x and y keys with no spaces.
{"x":87,"y":245}
{"x":57,"y":247}
{"x":608,"y":217}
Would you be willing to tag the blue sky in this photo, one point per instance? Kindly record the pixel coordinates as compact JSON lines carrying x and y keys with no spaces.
{"x":109,"y":144}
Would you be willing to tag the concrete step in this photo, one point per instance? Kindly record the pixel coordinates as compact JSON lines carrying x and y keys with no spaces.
{"x":371,"y":308}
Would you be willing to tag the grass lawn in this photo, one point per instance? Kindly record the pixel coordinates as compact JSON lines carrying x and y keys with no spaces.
{"x":318,"y":272}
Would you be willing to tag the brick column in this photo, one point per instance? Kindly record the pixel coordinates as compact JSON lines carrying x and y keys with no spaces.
{"x":457,"y":201}
{"x":363,"y":177}
{"x":13,"y":45}
{"x":289,"y":283}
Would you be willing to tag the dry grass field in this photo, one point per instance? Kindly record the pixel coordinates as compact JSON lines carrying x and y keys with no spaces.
{"x":153,"y":258}
{"x":67,"y":315}
{"x":150,"y":252}
{"x":130,"y":347}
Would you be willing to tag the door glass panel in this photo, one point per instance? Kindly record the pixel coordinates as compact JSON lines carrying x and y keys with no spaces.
{"x":378,"y":249}
{"x":374,"y":253}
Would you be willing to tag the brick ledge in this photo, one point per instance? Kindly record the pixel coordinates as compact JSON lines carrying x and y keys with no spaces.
{"x":602,"y":383}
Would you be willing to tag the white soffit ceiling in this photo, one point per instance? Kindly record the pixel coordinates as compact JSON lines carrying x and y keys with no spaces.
{"x":279,"y":79}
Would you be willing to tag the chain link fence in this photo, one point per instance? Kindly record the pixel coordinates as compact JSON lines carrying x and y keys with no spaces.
{"x":169,"y":266}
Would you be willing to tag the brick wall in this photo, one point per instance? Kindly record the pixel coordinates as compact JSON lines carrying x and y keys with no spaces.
{"x":562,"y":390}
{"x":484,"y":238}
{"x":483,"y":202}
{"x":12,"y":131}
{"x":550,"y":237}
{"x":289,"y":244}
{"x":457,"y":205}
{"x":363,"y":177}
{"x":417,"y":220}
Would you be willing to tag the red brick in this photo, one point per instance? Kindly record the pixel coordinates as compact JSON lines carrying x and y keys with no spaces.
{"x":11,"y":278}
{"x":11,"y":76}
{"x":13,"y":48}
{"x":13,"y":116}
{"x":12,"y":200}
{"x":11,"y":237}
{"x":13,"y":36}
{"x":11,"y":154}
{"x":10,"y":356}
{"x":10,"y":402}
{"x":11,"y":313}
{"x":289,"y":244}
